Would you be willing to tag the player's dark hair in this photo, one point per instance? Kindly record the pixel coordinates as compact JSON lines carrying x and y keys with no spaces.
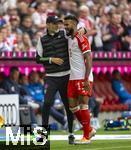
{"x":71,"y":17}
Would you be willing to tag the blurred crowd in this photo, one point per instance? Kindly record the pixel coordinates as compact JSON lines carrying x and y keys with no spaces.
{"x":108,"y":22}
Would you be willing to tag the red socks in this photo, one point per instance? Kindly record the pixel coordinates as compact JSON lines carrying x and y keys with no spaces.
{"x":83,"y":117}
{"x":85,"y":121}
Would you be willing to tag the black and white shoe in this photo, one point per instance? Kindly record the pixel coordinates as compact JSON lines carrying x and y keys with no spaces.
{"x":71,"y":139}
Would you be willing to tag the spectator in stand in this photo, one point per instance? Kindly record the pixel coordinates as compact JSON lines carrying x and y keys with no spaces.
{"x":126,"y":37}
{"x":37,"y":35}
{"x":22,"y":9}
{"x":52,"y":7}
{"x":119,"y":88}
{"x":104,"y":23}
{"x":85,"y":20}
{"x":26,"y":26}
{"x":27,"y":43}
{"x":14,"y":22}
{"x":3,"y":6}
{"x":112,"y":39}
{"x":97,"y":43}
{"x":3,"y":45}
{"x":11,"y":11}
{"x":3,"y":30}
{"x":11,"y":37}
{"x":19,"y":42}
{"x":8,"y":38}
{"x":63,"y":7}
{"x":40,"y":15}
{"x":68,"y":7}
{"x":23,"y":81}
{"x":73,"y":7}
{"x":36,"y":89}
{"x":31,"y":9}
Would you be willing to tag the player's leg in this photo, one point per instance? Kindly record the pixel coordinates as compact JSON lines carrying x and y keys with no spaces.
{"x":85,"y":116}
{"x":74,"y":107}
{"x":85,"y":120}
{"x":73,"y":99}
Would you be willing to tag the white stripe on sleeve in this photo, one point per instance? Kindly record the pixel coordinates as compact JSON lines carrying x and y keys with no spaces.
{"x":86,"y":51}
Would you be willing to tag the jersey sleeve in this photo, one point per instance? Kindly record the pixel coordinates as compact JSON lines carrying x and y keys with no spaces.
{"x":83,"y":44}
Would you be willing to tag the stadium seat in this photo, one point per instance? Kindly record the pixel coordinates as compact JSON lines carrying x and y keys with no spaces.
{"x":103,"y":88}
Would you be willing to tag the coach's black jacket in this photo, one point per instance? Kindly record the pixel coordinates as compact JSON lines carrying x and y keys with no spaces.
{"x":54,"y":46}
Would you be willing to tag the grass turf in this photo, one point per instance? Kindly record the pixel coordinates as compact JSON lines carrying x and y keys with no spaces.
{"x":95,"y":145}
{"x":99,"y":131}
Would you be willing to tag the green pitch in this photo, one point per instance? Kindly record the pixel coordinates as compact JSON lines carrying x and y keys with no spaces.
{"x":99,"y":131}
{"x":94,"y":145}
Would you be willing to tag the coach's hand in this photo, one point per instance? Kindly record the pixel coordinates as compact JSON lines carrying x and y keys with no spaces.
{"x":57,"y":61}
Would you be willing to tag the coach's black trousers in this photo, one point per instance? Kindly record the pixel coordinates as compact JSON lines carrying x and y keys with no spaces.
{"x":55,"y":84}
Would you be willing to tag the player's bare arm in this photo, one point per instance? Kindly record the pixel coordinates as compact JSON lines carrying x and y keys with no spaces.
{"x":88,"y":65}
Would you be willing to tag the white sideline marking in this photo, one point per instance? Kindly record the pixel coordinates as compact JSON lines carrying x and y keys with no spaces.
{"x":97,"y":137}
